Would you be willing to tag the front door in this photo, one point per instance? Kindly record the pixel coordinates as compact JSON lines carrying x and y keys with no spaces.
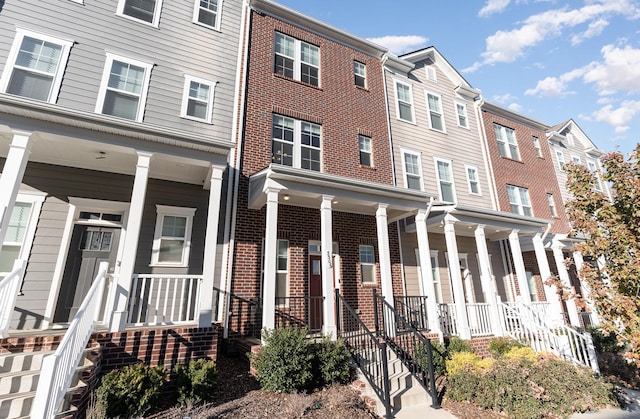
{"x":315,"y":292}
{"x":89,"y":246}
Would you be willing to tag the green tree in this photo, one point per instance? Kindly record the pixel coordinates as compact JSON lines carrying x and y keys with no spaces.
{"x":611,"y":230}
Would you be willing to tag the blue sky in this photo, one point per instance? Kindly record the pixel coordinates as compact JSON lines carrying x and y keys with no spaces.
{"x":548,"y":59}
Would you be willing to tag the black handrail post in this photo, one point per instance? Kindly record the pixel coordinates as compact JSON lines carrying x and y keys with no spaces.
{"x":375,"y":312}
{"x":337,"y":308}
{"x":435,"y":403}
{"x":385,"y":382}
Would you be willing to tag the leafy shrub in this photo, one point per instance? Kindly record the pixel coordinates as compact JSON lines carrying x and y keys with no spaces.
{"x":132,"y":390}
{"x":438,"y":353}
{"x":500,"y":346}
{"x":332,"y":361}
{"x":195,"y":381}
{"x":468,"y":361}
{"x":285,"y":362}
{"x":605,"y":342}
{"x":457,"y":345}
{"x":523,"y":353}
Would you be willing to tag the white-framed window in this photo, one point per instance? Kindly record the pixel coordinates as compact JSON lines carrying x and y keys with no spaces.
{"x":367,"y":263}
{"x":35,"y":66}
{"x":519,"y":200}
{"x":172,"y":238}
{"x":536,"y":146}
{"x":296,"y":143}
{"x":561,"y":162}
{"x":431,"y":73}
{"x":207,"y":13}
{"x":366,"y":157}
{"x":570,"y":139}
{"x":444,"y":176}
{"x":147,"y":11}
{"x":360,"y":74}
{"x":282,"y":271}
{"x":404,"y":102}
{"x":412,"y":165}
{"x":473,"y":180}
{"x":197,"y":99}
{"x":552,"y":205}
{"x":297,"y":59}
{"x":461,"y":112}
{"x":507,"y":145}
{"x":593,"y":168}
{"x":434,"y":106}
{"x":20,"y":231}
{"x":576,"y":160}
{"x":124,"y":86}
{"x":435,"y":272}
{"x":531,"y":284}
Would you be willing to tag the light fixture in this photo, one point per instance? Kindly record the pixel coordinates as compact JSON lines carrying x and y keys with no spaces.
{"x":286,"y":197}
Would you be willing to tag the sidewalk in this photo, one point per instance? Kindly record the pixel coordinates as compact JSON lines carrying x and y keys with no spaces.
{"x":631,"y":410}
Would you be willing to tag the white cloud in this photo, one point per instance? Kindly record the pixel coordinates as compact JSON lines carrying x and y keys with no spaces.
{"x":493,"y":6}
{"x":595,"y":28}
{"x":556,"y":86}
{"x":619,"y":71}
{"x":515,"y":107}
{"x":401,"y":44}
{"x":504,"y":98}
{"x":618,"y":118}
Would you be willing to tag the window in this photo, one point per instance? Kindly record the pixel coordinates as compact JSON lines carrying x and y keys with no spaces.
{"x":576,"y":159}
{"x":552,"y":205}
{"x":507,"y":144}
{"x":144,"y":10}
{"x":367,"y":264}
{"x":431,"y":74}
{"x":365,"y":150}
{"x":560,"y":156}
{"x":297,"y":59}
{"x":172,"y":239}
{"x":207,"y":12}
{"x":197,"y":99}
{"x":434,"y":105}
{"x":445,"y":180}
{"x":123,"y":91}
{"x":519,"y":200}
{"x":360,"y":71}
{"x":282,"y":271}
{"x":404,"y":103}
{"x":593,"y":168}
{"x":35,"y":66}
{"x":412,"y":170}
{"x":472,"y":179}
{"x":295,"y":143}
{"x":461,"y":111}
{"x":536,"y":145}
{"x":20,"y":231}
{"x":570,"y":140}
{"x":435,"y":272}
{"x":531,"y":284}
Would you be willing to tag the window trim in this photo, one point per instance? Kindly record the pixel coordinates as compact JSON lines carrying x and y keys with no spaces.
{"x":356,"y":75}
{"x":166,"y":210}
{"x":108,"y":65}
{"x":369,"y":152}
{"x":435,"y":270}
{"x":280,"y":271}
{"x":185,"y":98}
{"x":466,"y":114}
{"x":196,"y":15}
{"x":576,"y":159}
{"x":156,"y":13}
{"x":594,"y":169}
{"x":561,"y":160}
{"x":474,"y":168}
{"x":404,"y":151}
{"x":297,"y":59}
{"x":430,"y":111}
{"x":439,"y":181}
{"x":36,"y":200}
{"x":374,"y":280}
{"x":10,"y":65}
{"x":537,"y":147}
{"x":297,"y":142}
{"x":552,"y":205}
{"x":397,"y":82}
{"x":507,"y":144}
{"x":519,"y":204}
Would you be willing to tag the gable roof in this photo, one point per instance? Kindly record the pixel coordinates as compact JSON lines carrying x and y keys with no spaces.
{"x":570,"y":126}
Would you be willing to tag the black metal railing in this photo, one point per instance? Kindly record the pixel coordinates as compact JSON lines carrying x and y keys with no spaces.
{"x":409,"y":344}
{"x":244,"y":315}
{"x":413,"y":309}
{"x":366,"y":349}
{"x":300,"y":312}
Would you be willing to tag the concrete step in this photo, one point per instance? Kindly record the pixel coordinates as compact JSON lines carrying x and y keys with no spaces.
{"x":19,"y":381}
{"x":16,"y":405}
{"x":22,"y":361}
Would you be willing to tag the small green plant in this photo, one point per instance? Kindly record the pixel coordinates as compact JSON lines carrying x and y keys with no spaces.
{"x":438,"y":354}
{"x":332,"y":360}
{"x":500,"y":346}
{"x":195,"y":381}
{"x":457,"y":345}
{"x":132,"y":390}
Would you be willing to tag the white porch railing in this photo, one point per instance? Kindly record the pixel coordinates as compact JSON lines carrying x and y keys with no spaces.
{"x":9,"y":288}
{"x":164,"y":299}
{"x":479,"y":319}
{"x":448,"y":319}
{"x":541,"y":308}
{"x":58,"y":369}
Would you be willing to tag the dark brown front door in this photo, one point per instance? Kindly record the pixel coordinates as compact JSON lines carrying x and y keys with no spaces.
{"x":315,"y":292}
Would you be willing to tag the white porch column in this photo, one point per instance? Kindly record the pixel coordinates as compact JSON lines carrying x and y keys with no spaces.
{"x":563,"y":273}
{"x":586,"y":290}
{"x":456,"y":279}
{"x":11,"y":177}
{"x":550,"y":291}
{"x":130,"y":247}
{"x":205,"y":317}
{"x":270,"y":259}
{"x":426,"y":271}
{"x":383,"y":253}
{"x":488,"y":287}
{"x":521,"y":274}
{"x":328,"y":289}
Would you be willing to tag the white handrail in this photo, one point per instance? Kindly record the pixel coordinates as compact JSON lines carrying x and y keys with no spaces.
{"x":58,"y":369}
{"x":9,"y":288}
{"x":448,"y":318}
{"x":479,"y":319}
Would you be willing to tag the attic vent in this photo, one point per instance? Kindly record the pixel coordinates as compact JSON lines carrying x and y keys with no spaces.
{"x":431,"y":74}
{"x":570,"y":139}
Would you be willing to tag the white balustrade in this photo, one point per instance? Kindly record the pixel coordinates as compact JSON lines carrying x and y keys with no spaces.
{"x":479,"y":319}
{"x":9,"y":287}
{"x":448,"y":319}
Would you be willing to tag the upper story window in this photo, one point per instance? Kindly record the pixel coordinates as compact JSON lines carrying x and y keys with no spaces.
{"x":445,"y":180}
{"x":366,"y":158}
{"x":123,"y":91}
{"x":360,"y":73}
{"x":434,"y":105}
{"x":472,"y":179}
{"x":560,"y":156}
{"x":593,"y":168}
{"x":404,"y":103}
{"x":207,"y":12}
{"x":35,"y":66}
{"x":576,"y":160}
{"x":412,"y":170}
{"x":367,"y":263}
{"x":519,"y":200}
{"x":295,"y":143}
{"x":147,"y":11}
{"x":507,"y":144}
{"x":461,"y":111}
{"x":552,"y":205}
{"x":197,"y":99}
{"x":536,"y":145}
{"x":297,"y":59}
{"x":172,"y":238}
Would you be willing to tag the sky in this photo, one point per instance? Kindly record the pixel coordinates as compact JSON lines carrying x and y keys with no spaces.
{"x":550,"y":60}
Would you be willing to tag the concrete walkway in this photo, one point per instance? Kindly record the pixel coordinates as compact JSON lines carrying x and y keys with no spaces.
{"x":631,"y":409}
